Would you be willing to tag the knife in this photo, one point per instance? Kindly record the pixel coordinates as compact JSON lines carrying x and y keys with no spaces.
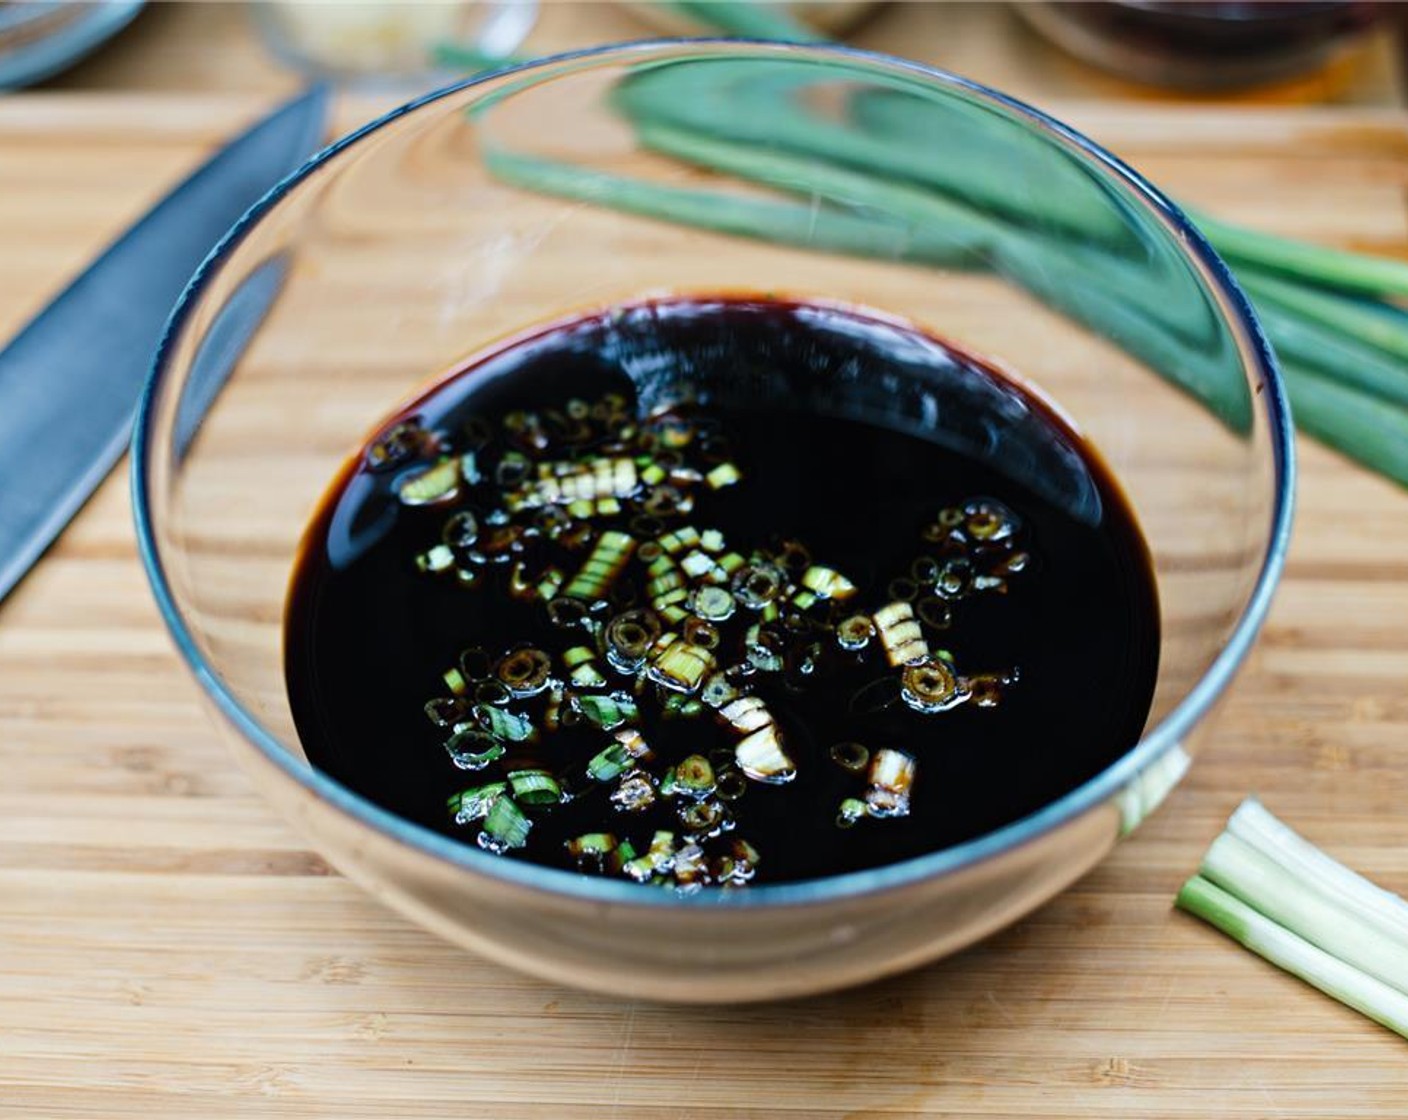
{"x":70,"y":380}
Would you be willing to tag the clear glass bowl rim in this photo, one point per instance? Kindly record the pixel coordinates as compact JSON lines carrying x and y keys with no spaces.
{"x":1155,"y":743}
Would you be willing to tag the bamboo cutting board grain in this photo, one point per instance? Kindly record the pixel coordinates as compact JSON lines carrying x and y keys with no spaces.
{"x":168,"y":947}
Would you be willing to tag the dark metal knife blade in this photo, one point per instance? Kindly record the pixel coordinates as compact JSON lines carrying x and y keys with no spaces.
{"x":70,"y":380}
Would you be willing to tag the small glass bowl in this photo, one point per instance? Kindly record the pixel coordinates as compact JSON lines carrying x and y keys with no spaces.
{"x":514,"y":198}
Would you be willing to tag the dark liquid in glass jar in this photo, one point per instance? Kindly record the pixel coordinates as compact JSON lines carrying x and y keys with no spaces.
{"x":706,"y":592}
{"x":1194,"y":44}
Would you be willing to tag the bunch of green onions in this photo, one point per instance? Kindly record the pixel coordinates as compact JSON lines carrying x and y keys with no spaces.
{"x":1286,"y":900}
{"x":867,"y":184}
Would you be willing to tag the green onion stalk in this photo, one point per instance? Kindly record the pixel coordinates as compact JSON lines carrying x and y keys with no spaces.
{"x":747,"y":19}
{"x":1277,"y":894}
{"x":1252,"y":930}
{"x":881,"y":190}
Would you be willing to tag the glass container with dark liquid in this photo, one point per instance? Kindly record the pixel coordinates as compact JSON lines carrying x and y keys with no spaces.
{"x":706,"y":591}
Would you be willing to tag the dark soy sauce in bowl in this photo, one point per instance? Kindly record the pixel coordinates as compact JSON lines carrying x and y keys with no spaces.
{"x":700,"y":592}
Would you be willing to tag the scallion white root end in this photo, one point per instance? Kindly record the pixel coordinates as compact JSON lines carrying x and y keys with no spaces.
{"x":1254,"y":931}
{"x":1281,"y":897}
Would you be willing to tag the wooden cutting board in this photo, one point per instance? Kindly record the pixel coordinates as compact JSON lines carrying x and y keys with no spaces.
{"x":168,"y":947}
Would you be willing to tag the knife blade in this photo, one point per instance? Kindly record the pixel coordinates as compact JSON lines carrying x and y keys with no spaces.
{"x":70,"y":380}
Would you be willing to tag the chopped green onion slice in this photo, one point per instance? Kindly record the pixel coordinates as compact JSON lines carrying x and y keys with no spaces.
{"x":852,"y":809}
{"x":592,"y":844}
{"x":445,"y":711}
{"x":725,"y":474}
{"x":854,"y":633}
{"x":931,"y":686}
{"x":690,"y":865}
{"x":657,"y":860}
{"x":635,"y":793}
{"x":718,"y":690}
{"x":761,"y":757}
{"x":476,"y":664}
{"x":827,"y":583}
{"x":580,"y":662}
{"x":505,"y":826}
{"x":473,"y":804}
{"x":535,"y":787}
{"x":891,"y":778}
{"x":900,"y":633}
{"x":680,"y":665}
{"x":578,"y":655}
{"x":629,"y":637}
{"x":608,"y":764}
{"x":634,"y":743}
{"x":697,"y":563}
{"x":441,"y":558}
{"x":713,"y":603}
{"x":850,"y":756}
{"x":549,"y":583}
{"x":472,"y":749}
{"x":608,"y":712}
{"x":1379,"y":1001}
{"x":694,"y":776}
{"x":688,"y":708}
{"x":730,"y":785}
{"x":680,"y":539}
{"x":525,"y":672}
{"x":703,"y":819}
{"x":552,"y":714}
{"x":747,"y":713}
{"x":758,"y":584}
{"x":608,"y":559}
{"x":505,"y":725}
{"x":469,"y":468}
{"x":621,"y":855}
{"x":436,"y":483}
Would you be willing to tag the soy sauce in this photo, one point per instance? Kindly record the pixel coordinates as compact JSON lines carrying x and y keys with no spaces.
{"x":755,"y":442}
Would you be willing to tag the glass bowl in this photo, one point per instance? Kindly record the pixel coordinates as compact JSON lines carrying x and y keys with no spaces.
{"x":506,"y":201}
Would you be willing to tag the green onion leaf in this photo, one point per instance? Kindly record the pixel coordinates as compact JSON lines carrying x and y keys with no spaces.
{"x":1366,"y":428}
{"x":1334,"y":354}
{"x":1377,"y":325}
{"x":1335,"y":268}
